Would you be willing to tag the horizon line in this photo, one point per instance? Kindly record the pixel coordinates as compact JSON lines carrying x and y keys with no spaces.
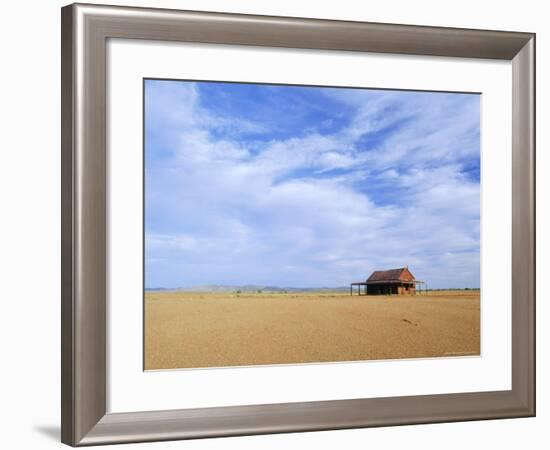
{"x":257,"y":286}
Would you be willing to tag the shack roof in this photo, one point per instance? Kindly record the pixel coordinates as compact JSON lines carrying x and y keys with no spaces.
{"x":400,"y":275}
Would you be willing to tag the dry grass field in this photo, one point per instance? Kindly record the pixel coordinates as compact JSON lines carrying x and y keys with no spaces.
{"x":186,"y":329}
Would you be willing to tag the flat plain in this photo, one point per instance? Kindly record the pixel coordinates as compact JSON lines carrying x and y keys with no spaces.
{"x":203,"y":329}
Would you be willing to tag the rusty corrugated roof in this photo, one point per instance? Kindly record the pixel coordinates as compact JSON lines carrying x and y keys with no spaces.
{"x":394,"y":275}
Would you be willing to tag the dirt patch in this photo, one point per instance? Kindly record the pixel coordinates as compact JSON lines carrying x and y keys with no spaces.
{"x":186,"y":330}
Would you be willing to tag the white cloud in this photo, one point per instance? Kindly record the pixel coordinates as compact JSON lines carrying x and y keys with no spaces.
{"x":238,"y":215}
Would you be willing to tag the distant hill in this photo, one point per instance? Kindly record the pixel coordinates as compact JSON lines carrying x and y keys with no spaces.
{"x":248,"y":288}
{"x":257,"y":287}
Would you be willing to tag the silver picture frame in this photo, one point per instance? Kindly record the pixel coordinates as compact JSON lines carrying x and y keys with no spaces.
{"x":85,"y":31}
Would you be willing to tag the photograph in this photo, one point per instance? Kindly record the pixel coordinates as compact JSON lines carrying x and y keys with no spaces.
{"x":239,"y":225}
{"x":291,"y":224}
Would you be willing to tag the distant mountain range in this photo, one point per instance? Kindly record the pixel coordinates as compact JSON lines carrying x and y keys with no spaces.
{"x":256,"y":288}
{"x":248,"y":288}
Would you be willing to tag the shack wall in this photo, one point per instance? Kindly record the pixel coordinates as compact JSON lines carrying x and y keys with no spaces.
{"x":391,"y":288}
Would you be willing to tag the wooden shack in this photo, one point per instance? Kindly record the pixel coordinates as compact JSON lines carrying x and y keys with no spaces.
{"x":386,"y":282}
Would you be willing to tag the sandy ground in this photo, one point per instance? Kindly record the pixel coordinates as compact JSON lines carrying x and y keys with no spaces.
{"x":186,"y":330}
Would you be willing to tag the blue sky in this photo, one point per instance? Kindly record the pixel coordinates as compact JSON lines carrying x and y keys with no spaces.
{"x":309,"y":186}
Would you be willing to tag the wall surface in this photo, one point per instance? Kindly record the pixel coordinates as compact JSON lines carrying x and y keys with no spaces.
{"x":29,"y":225}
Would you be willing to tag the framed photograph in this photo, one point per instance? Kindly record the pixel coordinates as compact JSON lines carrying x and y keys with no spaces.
{"x":276,"y":224}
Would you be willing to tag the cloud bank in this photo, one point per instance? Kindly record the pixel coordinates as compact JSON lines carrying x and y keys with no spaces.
{"x":309,"y":187}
